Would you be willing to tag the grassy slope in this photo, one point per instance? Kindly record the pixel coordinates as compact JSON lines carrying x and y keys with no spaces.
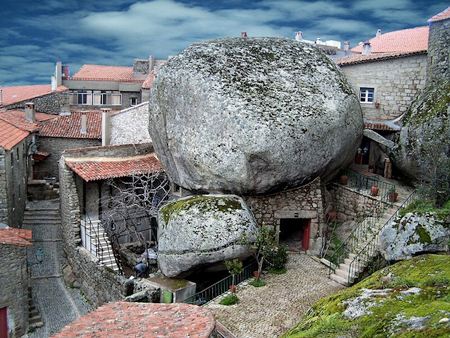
{"x":431,"y":273}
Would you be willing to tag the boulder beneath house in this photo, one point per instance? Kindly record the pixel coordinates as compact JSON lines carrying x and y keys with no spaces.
{"x":252,"y":116}
{"x":203,"y":229}
{"x":413,"y":234}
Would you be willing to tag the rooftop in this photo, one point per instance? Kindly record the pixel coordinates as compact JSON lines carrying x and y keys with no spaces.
{"x":10,"y":135}
{"x":124,"y":319}
{"x":105,"y":73}
{"x":15,"y":94}
{"x":445,"y":14}
{"x":101,"y":168}
{"x":14,"y":236}
{"x":402,"y":41}
{"x":359,"y":58}
{"x":148,"y":80}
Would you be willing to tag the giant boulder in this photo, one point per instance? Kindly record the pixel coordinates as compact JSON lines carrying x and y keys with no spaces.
{"x":252,"y":116}
{"x":203,"y":229}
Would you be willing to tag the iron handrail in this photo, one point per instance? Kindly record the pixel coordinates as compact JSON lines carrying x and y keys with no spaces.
{"x":372,"y":247}
{"x":211,"y":292}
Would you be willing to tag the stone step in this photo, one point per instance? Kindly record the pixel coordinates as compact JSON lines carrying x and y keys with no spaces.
{"x":42,"y":214}
{"x":34,"y":319}
{"x":36,"y":325}
{"x":339,"y":279}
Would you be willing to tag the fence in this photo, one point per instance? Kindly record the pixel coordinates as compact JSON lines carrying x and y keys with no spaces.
{"x":363,"y":184}
{"x":222,"y":286}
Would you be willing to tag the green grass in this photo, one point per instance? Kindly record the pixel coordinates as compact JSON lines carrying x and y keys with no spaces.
{"x":229,"y":300}
{"x":257,"y":283}
{"x":278,"y":271}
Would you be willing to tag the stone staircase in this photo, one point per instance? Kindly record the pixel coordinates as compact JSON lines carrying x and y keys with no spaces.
{"x":42,"y":212}
{"x":34,"y":317}
{"x":99,"y":244}
{"x":363,"y":251}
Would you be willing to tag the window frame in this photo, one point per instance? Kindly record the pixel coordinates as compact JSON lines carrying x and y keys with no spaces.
{"x":367,"y":94}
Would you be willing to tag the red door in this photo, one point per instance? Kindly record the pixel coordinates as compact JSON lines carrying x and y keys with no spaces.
{"x":306,"y":231}
{"x":3,"y":322}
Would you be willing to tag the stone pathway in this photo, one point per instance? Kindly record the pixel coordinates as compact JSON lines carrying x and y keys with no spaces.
{"x":57,"y":304}
{"x":271,"y":310}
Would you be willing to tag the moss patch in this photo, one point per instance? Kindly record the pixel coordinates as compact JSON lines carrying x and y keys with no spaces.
{"x":400,"y":311}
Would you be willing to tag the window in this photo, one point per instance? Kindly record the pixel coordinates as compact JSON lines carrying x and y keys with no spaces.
{"x":104,"y":98}
{"x":133,"y":101}
{"x":366,"y":94}
{"x":82,"y":97}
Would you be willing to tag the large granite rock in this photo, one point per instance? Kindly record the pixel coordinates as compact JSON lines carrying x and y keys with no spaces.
{"x":203,"y":229}
{"x":252,"y":116}
{"x":413,"y":234}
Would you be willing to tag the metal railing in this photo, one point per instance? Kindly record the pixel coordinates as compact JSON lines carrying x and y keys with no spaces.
{"x":205,"y":296}
{"x":365,"y":226}
{"x":365,"y":255}
{"x":364,"y":184}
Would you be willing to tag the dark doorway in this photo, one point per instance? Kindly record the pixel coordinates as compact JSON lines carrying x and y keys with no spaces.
{"x":294,"y":232}
{"x":3,"y":322}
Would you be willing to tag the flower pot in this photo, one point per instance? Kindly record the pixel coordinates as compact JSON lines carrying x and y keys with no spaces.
{"x":255,"y":274}
{"x":332,"y":216}
{"x":393,"y":197}
{"x":233,"y":288}
{"x":374,"y":190}
{"x":344,"y":179}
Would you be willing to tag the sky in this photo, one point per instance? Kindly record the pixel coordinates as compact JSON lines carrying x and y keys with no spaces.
{"x":36,"y":34}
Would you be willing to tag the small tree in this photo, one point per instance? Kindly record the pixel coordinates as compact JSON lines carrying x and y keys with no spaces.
{"x":263,"y":247}
{"x":234,"y":268}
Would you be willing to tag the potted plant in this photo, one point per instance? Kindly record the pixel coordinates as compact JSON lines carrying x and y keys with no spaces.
{"x":234,"y":267}
{"x":374,"y":190}
{"x":344,"y":179}
{"x":393,"y":195}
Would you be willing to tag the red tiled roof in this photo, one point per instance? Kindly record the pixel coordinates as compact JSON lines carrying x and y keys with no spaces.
{"x":105,"y":73}
{"x":10,"y":135}
{"x":445,"y":14}
{"x":13,"y":236}
{"x":402,"y":41}
{"x":17,"y":119}
{"x":93,"y":169}
{"x":11,"y":95}
{"x":359,"y":58}
{"x":148,"y":80}
{"x":380,"y":126}
{"x":69,"y":126}
{"x":126,"y":319}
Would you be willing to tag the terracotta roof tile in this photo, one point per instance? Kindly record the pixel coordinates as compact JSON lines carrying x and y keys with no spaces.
{"x":90,"y":169}
{"x":148,"y":81}
{"x":380,"y":126}
{"x":122,"y":319}
{"x":15,"y":94}
{"x":445,"y":14}
{"x":10,"y":135}
{"x":17,"y":119}
{"x":359,"y":58}
{"x":69,"y":126}
{"x":13,"y":236}
{"x":404,"y":41}
{"x":105,"y":73}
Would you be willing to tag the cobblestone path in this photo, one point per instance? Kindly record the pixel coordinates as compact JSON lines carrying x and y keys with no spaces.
{"x":271,"y":310}
{"x":57,"y":304}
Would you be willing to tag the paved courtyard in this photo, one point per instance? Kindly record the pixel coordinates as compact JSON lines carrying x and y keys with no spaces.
{"x":271,"y":310}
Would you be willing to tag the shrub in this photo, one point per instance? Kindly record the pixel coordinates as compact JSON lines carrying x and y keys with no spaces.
{"x":278,"y":257}
{"x":229,"y":300}
{"x":257,"y":283}
{"x":278,"y":272}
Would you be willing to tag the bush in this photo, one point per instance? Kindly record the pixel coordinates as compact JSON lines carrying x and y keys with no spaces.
{"x":229,"y":300}
{"x":257,"y":283}
{"x":278,"y":272}
{"x":278,"y":257}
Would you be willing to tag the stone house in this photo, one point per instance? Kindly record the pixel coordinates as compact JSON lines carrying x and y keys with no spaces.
{"x":108,"y":87}
{"x":387,"y":72}
{"x":14,"y":281}
{"x":18,"y":134}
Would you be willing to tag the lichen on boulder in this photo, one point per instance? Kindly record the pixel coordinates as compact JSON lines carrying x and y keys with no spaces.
{"x":252,"y":116}
{"x":203,"y":229}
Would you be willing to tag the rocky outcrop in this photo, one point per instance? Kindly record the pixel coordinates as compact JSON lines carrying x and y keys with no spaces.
{"x":252,"y":116}
{"x":203,"y":229}
{"x":413,"y":234}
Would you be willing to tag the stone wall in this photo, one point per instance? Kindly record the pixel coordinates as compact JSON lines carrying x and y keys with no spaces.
{"x":14,"y":282}
{"x":130,"y":126}
{"x":438,"y":55}
{"x":55,"y":146}
{"x":396,"y":81}
{"x":303,"y":203}
{"x":3,"y":199}
{"x":50,"y":104}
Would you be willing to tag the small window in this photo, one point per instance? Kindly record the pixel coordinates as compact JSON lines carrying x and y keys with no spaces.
{"x":133,"y":101}
{"x":366,"y":94}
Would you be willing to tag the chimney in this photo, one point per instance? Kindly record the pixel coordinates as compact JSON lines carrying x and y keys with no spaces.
{"x":1,"y":96}
{"x":65,"y":72}
{"x":58,"y":74}
{"x":30,"y":113}
{"x":299,"y":36}
{"x":346,"y":45}
{"x":54,"y":86}
{"x":83,"y":124}
{"x":378,"y":33}
{"x":106,"y":129}
{"x":244,"y":34}
{"x":366,"y":49}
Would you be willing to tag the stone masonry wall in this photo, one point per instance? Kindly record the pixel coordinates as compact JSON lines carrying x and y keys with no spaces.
{"x":305,"y":201}
{"x":438,"y":55}
{"x":396,"y":81}
{"x":130,"y":126}
{"x":14,"y":284}
{"x":55,"y":146}
{"x":50,"y":104}
{"x":3,"y":199}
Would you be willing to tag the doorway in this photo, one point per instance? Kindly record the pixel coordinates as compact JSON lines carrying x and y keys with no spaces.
{"x":294,"y":232}
{"x":4,"y":322}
